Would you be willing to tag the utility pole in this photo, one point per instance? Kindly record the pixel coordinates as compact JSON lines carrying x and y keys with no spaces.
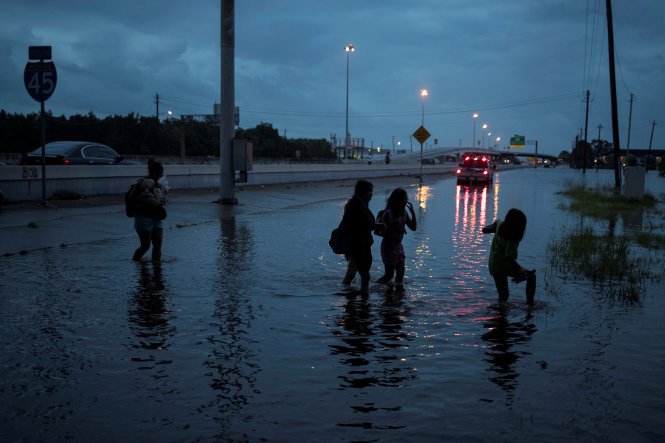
{"x":630,"y":117}
{"x":613,"y":93}
{"x":157,"y":119}
{"x":653,"y":125}
{"x":586,"y":127}
{"x":599,"y":128}
{"x":227,"y":104}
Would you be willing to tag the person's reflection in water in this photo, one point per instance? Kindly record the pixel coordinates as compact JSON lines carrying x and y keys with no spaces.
{"x":371,"y":346}
{"x":504,"y":350}
{"x":148,"y":313}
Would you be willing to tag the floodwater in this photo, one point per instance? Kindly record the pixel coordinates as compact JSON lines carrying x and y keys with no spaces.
{"x":245,"y":333}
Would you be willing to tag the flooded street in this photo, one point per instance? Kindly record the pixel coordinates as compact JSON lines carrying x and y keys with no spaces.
{"x":245,"y":332}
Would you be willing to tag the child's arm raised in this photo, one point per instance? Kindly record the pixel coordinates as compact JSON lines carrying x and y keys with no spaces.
{"x":490,"y":229}
{"x":411,"y":221}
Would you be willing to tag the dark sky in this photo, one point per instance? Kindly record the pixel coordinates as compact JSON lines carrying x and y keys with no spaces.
{"x":522,"y":65}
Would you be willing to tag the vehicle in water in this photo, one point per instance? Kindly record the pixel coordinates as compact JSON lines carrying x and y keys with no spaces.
{"x":475,"y":167}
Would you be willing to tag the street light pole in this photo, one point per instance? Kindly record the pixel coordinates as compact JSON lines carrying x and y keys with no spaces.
{"x":423,"y":94}
{"x":475,"y":116}
{"x":227,"y":103}
{"x":349,"y":48}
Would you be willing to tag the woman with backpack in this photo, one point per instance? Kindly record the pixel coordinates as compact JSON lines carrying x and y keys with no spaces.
{"x":394,"y":219}
{"x":149,"y":196}
{"x":358,"y":223}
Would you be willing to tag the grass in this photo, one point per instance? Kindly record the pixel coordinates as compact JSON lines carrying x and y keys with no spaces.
{"x":609,"y":262}
{"x":606,"y":202}
{"x":615,"y":263}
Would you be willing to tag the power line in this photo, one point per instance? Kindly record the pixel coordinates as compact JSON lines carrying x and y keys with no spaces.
{"x":616,"y":53}
{"x":527,"y":102}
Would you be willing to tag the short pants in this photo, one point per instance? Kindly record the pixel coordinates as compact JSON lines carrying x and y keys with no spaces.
{"x":392,"y":253}
{"x":147,"y":224}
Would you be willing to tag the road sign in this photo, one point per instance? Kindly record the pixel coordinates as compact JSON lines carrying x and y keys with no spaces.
{"x":421,"y":135}
{"x":40,"y":79}
{"x":39,"y":53}
{"x":517,"y":141}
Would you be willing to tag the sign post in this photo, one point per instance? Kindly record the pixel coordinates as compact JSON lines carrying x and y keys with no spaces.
{"x":421,"y":135}
{"x":40,"y":79}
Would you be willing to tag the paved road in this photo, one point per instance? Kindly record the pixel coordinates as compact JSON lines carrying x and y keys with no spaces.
{"x":29,"y":226}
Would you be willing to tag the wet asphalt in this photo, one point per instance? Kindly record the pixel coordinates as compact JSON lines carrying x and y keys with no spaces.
{"x":29,"y":226}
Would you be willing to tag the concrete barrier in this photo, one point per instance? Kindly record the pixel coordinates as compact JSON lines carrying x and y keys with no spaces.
{"x":25,"y":182}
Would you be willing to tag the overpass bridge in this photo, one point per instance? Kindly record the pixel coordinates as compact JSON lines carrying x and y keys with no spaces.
{"x":447,"y":154}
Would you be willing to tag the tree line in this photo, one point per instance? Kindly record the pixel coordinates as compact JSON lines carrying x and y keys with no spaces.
{"x":134,"y":134}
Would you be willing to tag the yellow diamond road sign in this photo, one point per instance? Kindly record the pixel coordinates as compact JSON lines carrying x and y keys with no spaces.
{"x":421,"y":135}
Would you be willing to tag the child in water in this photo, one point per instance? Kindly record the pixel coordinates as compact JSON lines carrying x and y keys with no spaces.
{"x":503,"y":255}
{"x":394,"y":219}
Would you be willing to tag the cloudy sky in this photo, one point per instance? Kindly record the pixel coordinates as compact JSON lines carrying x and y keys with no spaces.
{"x":522,"y":65}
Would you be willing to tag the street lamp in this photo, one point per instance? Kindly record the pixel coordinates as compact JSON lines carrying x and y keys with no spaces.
{"x":475,"y":116}
{"x":423,"y":94}
{"x":349,"y":48}
{"x":488,"y":139}
{"x":498,"y":139}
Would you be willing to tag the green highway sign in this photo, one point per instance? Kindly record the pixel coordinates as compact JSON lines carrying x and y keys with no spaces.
{"x":517,"y":141}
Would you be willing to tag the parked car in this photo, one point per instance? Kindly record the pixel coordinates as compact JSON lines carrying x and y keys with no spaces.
{"x":76,"y":153}
{"x":475,"y":168}
{"x":429,"y":161}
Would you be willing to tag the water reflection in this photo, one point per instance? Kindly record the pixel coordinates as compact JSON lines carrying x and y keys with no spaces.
{"x":423,"y":195}
{"x":148,"y":315}
{"x":502,"y":335}
{"x":372,"y":346}
{"x":470,"y":247}
{"x":232,"y":362}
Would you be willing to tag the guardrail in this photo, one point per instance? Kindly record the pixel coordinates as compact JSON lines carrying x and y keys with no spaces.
{"x":25,"y":182}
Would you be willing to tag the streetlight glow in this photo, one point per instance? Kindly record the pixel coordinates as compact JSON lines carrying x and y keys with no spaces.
{"x":423,"y":92}
{"x":350,"y":48}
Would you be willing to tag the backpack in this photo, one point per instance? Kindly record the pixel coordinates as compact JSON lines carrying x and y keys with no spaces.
{"x":130,"y":204}
{"x":380,"y":229}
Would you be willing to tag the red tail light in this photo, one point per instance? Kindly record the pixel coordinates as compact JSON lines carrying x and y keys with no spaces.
{"x":467,"y":158}
{"x":484,"y":159}
{"x":485,"y":172}
{"x":61,"y":161}
{"x":459,"y":171}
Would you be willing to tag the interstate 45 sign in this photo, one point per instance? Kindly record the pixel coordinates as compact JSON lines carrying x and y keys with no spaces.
{"x":40,"y":79}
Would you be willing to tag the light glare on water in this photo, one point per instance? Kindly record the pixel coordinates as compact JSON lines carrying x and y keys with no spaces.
{"x":245,"y":332}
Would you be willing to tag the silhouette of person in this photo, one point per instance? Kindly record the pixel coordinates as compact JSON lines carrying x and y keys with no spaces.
{"x":150,"y":194}
{"x":358,"y":223}
{"x":395,"y":218}
{"x":503,"y":255}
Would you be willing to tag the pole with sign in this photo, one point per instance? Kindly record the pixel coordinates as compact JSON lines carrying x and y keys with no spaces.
{"x":40,"y":79}
{"x":421,"y":135}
